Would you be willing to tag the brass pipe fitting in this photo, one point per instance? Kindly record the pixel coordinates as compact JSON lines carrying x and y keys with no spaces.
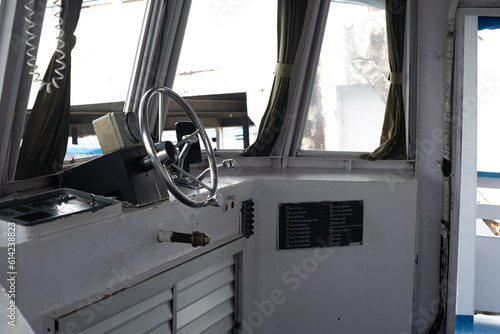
{"x":195,"y":239}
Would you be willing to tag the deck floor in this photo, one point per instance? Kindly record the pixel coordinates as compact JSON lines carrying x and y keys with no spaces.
{"x":483,"y":324}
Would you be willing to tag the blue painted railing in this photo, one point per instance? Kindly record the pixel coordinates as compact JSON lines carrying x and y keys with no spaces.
{"x":489,"y":174}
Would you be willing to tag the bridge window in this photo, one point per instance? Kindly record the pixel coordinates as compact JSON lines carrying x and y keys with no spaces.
{"x":229,"y":47}
{"x":348,"y":100}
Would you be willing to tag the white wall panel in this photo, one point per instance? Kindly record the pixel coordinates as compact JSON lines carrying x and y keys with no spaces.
{"x":349,"y":289}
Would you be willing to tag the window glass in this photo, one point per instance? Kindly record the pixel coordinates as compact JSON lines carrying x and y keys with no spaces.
{"x":350,"y":90}
{"x":107,"y":36}
{"x":230,"y":47}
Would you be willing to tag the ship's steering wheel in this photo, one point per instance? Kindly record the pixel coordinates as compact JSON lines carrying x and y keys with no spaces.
{"x":163,"y":169}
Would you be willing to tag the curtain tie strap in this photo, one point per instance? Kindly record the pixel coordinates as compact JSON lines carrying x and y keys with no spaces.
{"x":396,"y":78}
{"x":69,"y":41}
{"x":283,"y":70}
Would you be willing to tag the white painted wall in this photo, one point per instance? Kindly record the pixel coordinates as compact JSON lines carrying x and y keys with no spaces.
{"x":64,"y":271}
{"x":350,"y":289}
{"x":363,"y":286}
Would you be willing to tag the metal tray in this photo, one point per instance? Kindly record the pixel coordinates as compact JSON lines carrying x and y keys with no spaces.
{"x":52,"y":205}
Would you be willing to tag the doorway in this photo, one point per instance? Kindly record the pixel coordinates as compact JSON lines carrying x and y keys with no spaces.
{"x":475,"y":269}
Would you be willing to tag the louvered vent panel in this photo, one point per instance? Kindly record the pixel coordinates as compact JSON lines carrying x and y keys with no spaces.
{"x":227,"y":262}
{"x":194,"y":297}
{"x":203,"y":288}
{"x":205,"y":301}
{"x":224,"y":326}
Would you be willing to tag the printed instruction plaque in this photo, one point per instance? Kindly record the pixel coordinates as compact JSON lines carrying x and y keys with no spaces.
{"x":320,"y":224}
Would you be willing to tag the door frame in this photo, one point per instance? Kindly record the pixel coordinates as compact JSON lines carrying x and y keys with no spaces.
{"x":461,"y":282}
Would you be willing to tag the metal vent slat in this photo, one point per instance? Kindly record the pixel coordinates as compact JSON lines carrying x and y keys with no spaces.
{"x":210,"y":320}
{"x":165,"y":328}
{"x":202,"y":306}
{"x":144,"y":308}
{"x":185,"y":283}
{"x":202,"y":288}
{"x":109,"y":307}
{"x":224,"y":326}
{"x":150,"y":319}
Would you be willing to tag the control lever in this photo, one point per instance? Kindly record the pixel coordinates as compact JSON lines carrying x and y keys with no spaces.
{"x":226,"y":164}
{"x":192,"y":154}
{"x":187,"y":142}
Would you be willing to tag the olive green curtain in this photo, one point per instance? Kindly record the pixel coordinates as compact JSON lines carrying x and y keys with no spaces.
{"x":393,"y":138}
{"x":291,"y":14}
{"x":46,"y":135}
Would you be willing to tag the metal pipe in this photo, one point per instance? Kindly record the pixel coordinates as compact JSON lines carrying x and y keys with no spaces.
{"x":195,"y":239}
{"x":167,"y":154}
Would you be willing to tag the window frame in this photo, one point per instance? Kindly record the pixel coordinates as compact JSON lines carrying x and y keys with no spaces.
{"x":15,"y":83}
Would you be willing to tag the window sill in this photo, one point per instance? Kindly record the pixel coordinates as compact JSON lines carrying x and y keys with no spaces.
{"x":314,"y":161}
{"x":347,"y":162}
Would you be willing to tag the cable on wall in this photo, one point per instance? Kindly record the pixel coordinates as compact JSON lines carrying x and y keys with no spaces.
{"x":445,"y":226}
{"x":60,"y":53}
{"x":30,"y":50}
